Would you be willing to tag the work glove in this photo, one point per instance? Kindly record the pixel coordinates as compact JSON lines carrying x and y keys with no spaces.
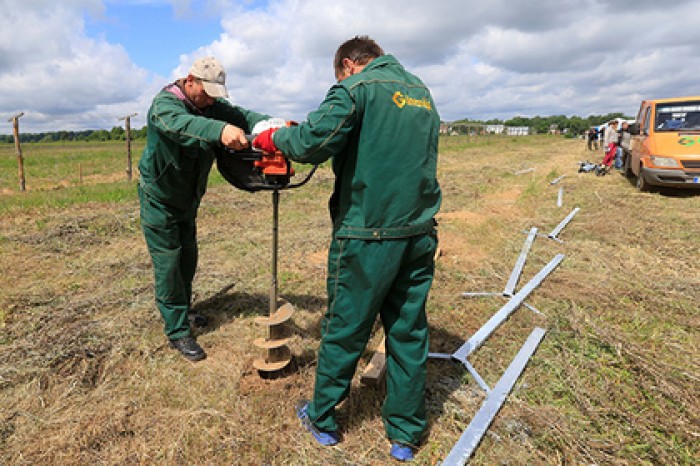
{"x":264,"y":141}
{"x":267,"y":124}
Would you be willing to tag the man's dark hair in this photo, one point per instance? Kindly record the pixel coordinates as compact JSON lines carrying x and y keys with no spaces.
{"x":360,"y":49}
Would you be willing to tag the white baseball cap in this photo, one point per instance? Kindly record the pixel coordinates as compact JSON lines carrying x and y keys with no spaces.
{"x":212,"y":74}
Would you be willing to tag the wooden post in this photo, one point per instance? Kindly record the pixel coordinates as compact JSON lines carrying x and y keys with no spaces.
{"x":18,"y":150}
{"x":127,"y":126}
{"x":374,"y":372}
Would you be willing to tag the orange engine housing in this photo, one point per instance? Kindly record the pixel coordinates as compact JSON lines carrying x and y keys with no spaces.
{"x":275,"y":164}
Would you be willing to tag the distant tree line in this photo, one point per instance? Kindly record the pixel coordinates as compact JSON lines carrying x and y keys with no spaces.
{"x":115,"y":134}
{"x":573,"y":125}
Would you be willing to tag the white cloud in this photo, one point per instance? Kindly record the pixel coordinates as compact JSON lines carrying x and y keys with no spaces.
{"x":481,"y":59}
{"x":56,"y":75}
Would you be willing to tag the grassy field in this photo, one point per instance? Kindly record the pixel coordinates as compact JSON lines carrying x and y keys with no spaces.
{"x":87,"y":377}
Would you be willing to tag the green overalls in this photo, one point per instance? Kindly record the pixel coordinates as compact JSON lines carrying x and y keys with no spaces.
{"x":380,"y":127}
{"x":174,"y":169}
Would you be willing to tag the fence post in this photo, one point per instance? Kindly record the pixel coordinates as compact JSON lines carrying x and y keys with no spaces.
{"x":18,"y":150}
{"x":127,"y":125}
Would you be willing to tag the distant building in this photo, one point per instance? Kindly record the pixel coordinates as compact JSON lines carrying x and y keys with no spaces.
{"x":518,"y":130}
{"x":480,"y":129}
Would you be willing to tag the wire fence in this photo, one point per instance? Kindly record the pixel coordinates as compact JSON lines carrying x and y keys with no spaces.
{"x":66,"y":164}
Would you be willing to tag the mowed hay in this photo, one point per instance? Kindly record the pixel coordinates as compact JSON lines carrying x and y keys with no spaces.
{"x":87,"y":376}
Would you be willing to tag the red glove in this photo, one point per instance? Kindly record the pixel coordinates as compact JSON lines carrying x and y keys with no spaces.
{"x":264,"y":141}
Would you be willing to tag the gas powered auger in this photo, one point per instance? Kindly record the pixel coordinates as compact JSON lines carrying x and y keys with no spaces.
{"x":252,"y":170}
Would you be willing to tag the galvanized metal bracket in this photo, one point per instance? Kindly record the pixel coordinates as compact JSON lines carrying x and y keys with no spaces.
{"x":560,"y":197}
{"x":557,"y":179}
{"x":555,"y":233}
{"x":515,"y":274}
{"x":496,"y":396}
{"x":499,"y":317}
{"x":471,"y":437}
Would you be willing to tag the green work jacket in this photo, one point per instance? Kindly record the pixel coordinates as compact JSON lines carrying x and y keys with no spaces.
{"x":380,"y":127}
{"x":181,"y":146}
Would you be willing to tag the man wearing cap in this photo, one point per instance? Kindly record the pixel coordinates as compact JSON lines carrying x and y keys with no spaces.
{"x":187,"y":122}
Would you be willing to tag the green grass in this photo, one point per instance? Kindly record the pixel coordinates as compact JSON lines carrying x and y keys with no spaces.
{"x":61,"y":198}
{"x":63,"y":174}
{"x":87,"y":376}
{"x":49,"y":165}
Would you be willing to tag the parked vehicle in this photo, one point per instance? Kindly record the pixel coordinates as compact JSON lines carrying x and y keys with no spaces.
{"x":665,"y":144}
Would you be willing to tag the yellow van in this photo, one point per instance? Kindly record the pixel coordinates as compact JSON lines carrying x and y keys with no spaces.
{"x":665,"y":144}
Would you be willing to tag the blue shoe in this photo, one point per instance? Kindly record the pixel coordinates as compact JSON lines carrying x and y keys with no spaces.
{"x":401,"y":452}
{"x":327,"y":439}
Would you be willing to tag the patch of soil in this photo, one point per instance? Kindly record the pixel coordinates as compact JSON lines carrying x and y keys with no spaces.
{"x":453,"y":247}
{"x":461,"y":215}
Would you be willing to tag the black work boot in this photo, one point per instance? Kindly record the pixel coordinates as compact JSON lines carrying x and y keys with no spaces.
{"x":189,"y":348}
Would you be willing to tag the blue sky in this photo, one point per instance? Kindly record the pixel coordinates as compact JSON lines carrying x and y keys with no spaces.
{"x":153,"y":34}
{"x":81,"y":64}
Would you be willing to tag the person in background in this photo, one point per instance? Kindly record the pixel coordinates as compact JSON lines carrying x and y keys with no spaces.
{"x":591,"y":139}
{"x":187,"y":122}
{"x":610,"y":143}
{"x":597,"y":140}
{"x":623,"y":138}
{"x":379,"y":125}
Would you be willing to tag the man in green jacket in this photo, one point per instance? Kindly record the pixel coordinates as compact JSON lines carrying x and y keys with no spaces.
{"x":380,"y":127}
{"x":187,"y":122}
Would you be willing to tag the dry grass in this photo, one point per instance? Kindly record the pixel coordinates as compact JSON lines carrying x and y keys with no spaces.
{"x":86,"y":376}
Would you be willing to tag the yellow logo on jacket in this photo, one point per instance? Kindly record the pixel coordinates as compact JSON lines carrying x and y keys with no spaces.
{"x":402,"y":100}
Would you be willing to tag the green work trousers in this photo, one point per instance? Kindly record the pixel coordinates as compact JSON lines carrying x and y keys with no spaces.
{"x":171,"y":238}
{"x":365,"y":278}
